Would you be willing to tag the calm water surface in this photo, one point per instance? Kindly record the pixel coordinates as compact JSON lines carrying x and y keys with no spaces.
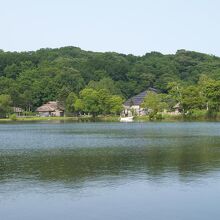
{"x":109,"y":171}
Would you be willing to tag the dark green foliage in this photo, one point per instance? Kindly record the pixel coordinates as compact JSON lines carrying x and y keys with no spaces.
{"x":5,"y":105}
{"x":107,"y":84}
{"x":32,"y":78}
{"x":69,"y":103}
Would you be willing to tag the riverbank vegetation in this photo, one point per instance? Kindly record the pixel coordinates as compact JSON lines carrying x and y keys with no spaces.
{"x":96,"y":83}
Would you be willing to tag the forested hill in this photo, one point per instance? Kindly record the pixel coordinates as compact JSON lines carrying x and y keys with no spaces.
{"x":32,"y":78}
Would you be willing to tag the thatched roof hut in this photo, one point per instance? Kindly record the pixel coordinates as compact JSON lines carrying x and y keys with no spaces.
{"x":52,"y":108}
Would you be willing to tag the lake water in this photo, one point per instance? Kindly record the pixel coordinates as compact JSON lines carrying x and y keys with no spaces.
{"x":110,"y":171}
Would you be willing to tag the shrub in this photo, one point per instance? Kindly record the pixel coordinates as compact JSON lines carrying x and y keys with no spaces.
{"x":159,"y":117}
{"x":13,"y":117}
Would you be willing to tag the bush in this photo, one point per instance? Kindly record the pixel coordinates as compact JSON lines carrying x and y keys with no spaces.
{"x":211,"y":115}
{"x":196,"y":114}
{"x":159,"y":117}
{"x":13,"y":117}
{"x":151,"y":116}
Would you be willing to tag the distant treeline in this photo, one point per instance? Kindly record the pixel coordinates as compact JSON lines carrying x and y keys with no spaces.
{"x":29,"y":79}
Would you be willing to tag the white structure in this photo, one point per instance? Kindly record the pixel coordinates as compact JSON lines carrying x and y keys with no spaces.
{"x":176,"y":110}
{"x":18,"y":111}
{"x":126,"y":119}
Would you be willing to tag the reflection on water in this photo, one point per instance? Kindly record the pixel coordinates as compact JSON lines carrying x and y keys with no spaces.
{"x":86,"y":165}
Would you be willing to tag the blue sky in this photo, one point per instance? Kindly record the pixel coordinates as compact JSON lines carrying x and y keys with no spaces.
{"x":126,"y":26}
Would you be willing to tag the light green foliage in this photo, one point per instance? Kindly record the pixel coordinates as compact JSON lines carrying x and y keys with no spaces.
{"x":79,"y":105}
{"x":104,"y":101}
{"x":212,"y":93}
{"x":154,"y":102}
{"x":115,"y":104}
{"x":96,"y":102}
{"x":70,"y":102}
{"x":89,"y":101}
{"x":175,"y":91}
{"x":192,"y":98}
{"x":13,"y":117}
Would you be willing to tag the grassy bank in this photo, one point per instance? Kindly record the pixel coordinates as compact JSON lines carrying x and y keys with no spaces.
{"x":76,"y":119}
{"x":165,"y":118}
{"x":40,"y":119}
{"x":193,"y":116}
{"x":196,"y":115}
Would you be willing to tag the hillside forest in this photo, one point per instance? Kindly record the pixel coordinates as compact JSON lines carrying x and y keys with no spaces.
{"x":98,"y":83}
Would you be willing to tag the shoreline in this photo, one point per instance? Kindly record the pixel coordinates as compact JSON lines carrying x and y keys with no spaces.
{"x":176,"y":118}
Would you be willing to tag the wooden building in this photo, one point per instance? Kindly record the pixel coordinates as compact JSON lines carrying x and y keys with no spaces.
{"x":52,"y":108}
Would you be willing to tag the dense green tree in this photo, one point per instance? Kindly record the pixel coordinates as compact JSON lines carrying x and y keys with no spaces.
{"x":26,"y":101}
{"x":32,"y":78}
{"x":115,"y":104}
{"x":70,"y":103}
{"x":89,"y":100}
{"x":154,"y":103}
{"x":70,"y":78}
{"x":212,"y":92}
{"x":79,"y":106}
{"x":192,"y":98}
{"x":96,"y":102}
{"x":175,"y":91}
{"x":5,"y":105}
{"x":62,"y":95}
{"x":104,"y":101}
{"x":11,"y":71}
{"x":105,"y":83}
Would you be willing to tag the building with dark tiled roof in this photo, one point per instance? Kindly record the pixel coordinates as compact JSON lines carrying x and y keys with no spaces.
{"x":133,"y":105}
